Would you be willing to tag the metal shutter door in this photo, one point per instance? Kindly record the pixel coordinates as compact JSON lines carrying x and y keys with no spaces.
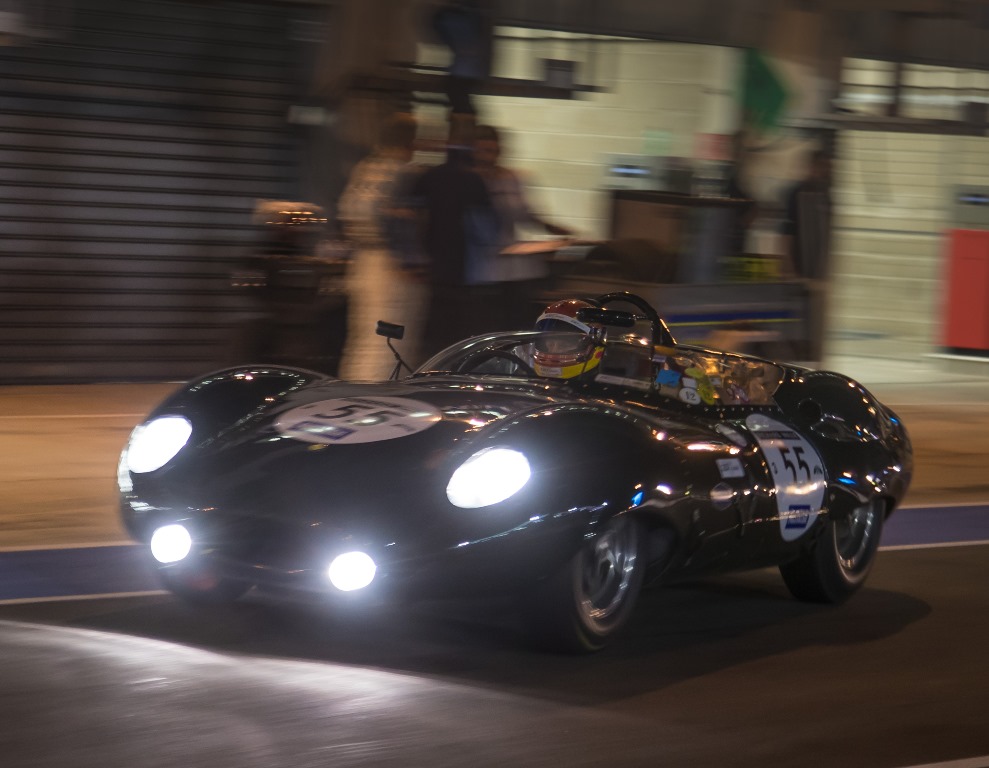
{"x":133,"y":146}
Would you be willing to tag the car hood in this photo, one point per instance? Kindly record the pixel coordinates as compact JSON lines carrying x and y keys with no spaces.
{"x":339,"y":464}
{"x":379,"y":418}
{"x":348,"y":452}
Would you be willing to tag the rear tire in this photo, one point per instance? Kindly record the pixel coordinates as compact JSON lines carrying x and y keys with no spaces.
{"x":590,"y":600}
{"x":837,"y":563}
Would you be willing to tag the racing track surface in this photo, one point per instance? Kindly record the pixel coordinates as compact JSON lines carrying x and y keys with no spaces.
{"x":726,"y":672}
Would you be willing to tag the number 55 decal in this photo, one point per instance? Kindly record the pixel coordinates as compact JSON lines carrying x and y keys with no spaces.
{"x":357,"y":420}
{"x":797,"y":472}
{"x":798,"y":453}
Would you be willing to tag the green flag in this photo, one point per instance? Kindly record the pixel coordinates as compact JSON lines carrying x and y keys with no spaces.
{"x":763,"y":94}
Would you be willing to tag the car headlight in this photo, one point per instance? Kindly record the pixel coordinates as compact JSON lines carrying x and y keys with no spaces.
{"x":154,"y":444}
{"x":487,"y":477}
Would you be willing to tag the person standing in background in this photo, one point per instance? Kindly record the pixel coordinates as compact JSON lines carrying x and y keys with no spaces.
{"x":806,"y":230}
{"x":746,"y":209}
{"x":381,"y":282}
{"x":459,"y":240}
{"x":466,"y":27}
{"x":518,"y":277}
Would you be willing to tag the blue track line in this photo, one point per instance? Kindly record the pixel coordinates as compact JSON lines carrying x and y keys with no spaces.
{"x":86,"y":571}
{"x":45,"y":574}
{"x":934,"y":526}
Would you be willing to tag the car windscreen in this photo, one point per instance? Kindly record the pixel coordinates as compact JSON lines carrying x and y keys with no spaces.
{"x":691,"y":375}
{"x":705,"y":377}
{"x":505,"y":354}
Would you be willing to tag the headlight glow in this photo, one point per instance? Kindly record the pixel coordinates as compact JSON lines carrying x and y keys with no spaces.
{"x":123,"y":474}
{"x":488,"y":477}
{"x":154,"y":444}
{"x":171,"y":543}
{"x":352,"y":570}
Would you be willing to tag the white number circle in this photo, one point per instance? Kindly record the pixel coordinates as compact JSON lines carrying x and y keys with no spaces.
{"x":797,"y":470}
{"x":690,"y":395}
{"x":357,"y":420}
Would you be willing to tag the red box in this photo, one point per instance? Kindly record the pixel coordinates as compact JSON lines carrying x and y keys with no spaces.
{"x":966,"y":311}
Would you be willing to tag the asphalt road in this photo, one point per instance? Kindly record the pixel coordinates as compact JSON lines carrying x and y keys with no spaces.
{"x":726,"y":672}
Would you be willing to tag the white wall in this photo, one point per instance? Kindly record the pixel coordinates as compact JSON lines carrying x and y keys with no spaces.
{"x":891,"y":189}
{"x":891,"y":194}
{"x":656,"y":97}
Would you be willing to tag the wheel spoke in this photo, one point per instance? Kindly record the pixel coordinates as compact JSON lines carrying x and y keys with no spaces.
{"x":607,"y":574}
{"x":853,"y":536}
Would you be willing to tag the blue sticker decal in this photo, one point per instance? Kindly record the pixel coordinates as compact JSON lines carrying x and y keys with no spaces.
{"x":798,"y":517}
{"x":668,"y":378}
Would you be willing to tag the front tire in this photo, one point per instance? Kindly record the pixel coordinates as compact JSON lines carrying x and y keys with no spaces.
{"x":590,"y":600}
{"x":837,"y":563}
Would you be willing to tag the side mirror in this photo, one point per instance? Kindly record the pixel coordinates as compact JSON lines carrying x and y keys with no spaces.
{"x":390,"y":330}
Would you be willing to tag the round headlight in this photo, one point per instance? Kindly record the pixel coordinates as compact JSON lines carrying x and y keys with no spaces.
{"x":171,"y":543}
{"x":487,"y":477}
{"x":352,"y":570}
{"x":154,"y":444}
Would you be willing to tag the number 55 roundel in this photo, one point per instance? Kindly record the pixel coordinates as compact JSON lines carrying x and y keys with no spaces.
{"x":797,"y":471}
{"x":357,"y":420}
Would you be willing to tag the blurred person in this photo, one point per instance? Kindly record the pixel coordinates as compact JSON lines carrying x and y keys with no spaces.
{"x":736,"y":188}
{"x":806,"y":225}
{"x":806,"y":230}
{"x":519,"y":277}
{"x":466,"y":28}
{"x":381,"y":281}
{"x":459,"y":239}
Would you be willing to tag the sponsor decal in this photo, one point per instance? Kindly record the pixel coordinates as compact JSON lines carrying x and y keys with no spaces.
{"x":797,"y":519}
{"x":702,"y":383}
{"x":689,"y":395}
{"x":668,"y":378}
{"x":797,"y":472}
{"x":722,"y":495}
{"x":357,"y":420}
{"x":730,"y":468}
{"x":736,"y":394}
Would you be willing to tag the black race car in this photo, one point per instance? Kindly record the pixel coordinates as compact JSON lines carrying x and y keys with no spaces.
{"x":566,"y":466}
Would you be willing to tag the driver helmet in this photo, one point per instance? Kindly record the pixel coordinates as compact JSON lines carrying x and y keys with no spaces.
{"x":574,"y":348}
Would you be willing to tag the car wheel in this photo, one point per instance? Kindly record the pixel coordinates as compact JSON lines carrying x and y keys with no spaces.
{"x":200,"y":587}
{"x":587,"y":602}
{"x":836,"y":565}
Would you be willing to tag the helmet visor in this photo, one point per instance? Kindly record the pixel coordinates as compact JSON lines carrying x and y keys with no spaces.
{"x":564,"y":345}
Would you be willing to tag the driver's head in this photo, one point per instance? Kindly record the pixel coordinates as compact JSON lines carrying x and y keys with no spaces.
{"x":487,"y":147}
{"x":570,"y":346}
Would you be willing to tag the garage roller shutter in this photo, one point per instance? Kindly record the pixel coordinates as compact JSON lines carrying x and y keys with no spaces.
{"x":133,"y":145}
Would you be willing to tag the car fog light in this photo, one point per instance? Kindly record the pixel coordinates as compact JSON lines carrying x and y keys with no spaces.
{"x":352,"y":570}
{"x":171,"y":543}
